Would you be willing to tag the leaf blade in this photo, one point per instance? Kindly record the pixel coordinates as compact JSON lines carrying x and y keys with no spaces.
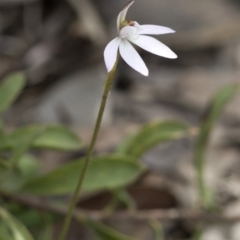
{"x":150,"y":135}
{"x":55,"y":137}
{"x":104,"y":173}
{"x":103,"y":232}
{"x":10,"y":89}
{"x":214,"y":110}
{"x":19,"y":231}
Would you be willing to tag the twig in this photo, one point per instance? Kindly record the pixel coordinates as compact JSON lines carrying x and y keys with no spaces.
{"x":140,"y":215}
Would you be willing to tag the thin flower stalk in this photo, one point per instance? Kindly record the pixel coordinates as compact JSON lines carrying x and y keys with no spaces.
{"x":77,"y":191}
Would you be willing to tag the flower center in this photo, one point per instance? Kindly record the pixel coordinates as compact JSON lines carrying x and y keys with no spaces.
{"x":129,"y":29}
{"x":127,"y":23}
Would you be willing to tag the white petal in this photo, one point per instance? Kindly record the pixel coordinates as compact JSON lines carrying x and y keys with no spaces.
{"x":137,"y":26}
{"x":122,"y":15}
{"x":110,"y":53}
{"x":155,"y":30}
{"x":132,"y":58}
{"x":127,"y":31}
{"x":152,"y":45}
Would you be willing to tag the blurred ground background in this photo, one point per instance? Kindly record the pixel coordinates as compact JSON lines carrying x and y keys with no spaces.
{"x":59,"y":45}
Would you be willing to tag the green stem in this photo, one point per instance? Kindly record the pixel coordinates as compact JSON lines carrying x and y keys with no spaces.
{"x":200,"y":155}
{"x":107,"y":88}
{"x":202,"y":186}
{"x":157,"y":229}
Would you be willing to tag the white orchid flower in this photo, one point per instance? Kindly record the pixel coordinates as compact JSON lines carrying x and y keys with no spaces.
{"x":131,"y":31}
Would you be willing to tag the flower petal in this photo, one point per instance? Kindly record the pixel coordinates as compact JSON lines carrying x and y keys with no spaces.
{"x":110,"y":53}
{"x":155,"y":30}
{"x":122,"y":15}
{"x":154,"y":46}
{"x":128,"y":31}
{"x":132,"y":58}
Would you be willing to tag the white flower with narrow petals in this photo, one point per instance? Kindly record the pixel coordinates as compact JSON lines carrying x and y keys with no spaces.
{"x":131,"y":31}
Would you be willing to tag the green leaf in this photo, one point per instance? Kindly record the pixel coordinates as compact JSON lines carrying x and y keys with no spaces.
{"x":125,"y":198}
{"x":104,"y":172}
{"x":15,"y":139}
{"x":46,"y":233}
{"x":157,"y":229}
{"x":150,"y":135}
{"x":5,"y":236}
{"x":28,"y":166}
{"x":52,"y":137}
{"x":197,"y":234}
{"x":103,"y":232}
{"x":18,"y":230}
{"x":58,"y":137}
{"x":4,"y":165}
{"x":24,"y":145}
{"x":12,"y":179}
{"x":214,"y":111}
{"x":215,"y":108}
{"x":4,"y":232}
{"x":10,"y":89}
{"x":1,"y":129}
{"x":11,"y":175}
